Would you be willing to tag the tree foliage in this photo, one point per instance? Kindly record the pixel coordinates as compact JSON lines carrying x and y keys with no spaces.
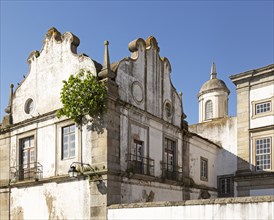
{"x":83,"y":97}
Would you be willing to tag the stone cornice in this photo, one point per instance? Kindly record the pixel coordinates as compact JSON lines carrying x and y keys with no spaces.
{"x":245,"y":76}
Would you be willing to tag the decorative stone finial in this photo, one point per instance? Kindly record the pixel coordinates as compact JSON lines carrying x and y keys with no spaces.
{"x":213,"y":71}
{"x":106,"y":55}
{"x":7,"y":119}
{"x":8,"y":109}
{"x":106,"y":71}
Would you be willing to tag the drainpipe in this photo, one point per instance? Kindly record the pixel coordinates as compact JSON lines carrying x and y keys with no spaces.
{"x":81,"y":143}
{"x":9,"y":187}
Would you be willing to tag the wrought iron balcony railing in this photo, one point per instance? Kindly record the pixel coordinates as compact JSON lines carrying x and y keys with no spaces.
{"x":26,"y":172}
{"x":172,"y":172}
{"x":141,"y":165}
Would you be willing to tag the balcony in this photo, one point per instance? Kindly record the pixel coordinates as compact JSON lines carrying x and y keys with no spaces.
{"x":171,"y":172}
{"x":141,"y":165}
{"x":26,"y":172}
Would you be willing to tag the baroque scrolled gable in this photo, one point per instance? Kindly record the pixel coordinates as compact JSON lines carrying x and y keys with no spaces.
{"x":55,"y":62}
{"x":144,"y":81}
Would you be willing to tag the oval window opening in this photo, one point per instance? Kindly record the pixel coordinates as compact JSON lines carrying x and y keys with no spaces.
{"x":29,"y":106}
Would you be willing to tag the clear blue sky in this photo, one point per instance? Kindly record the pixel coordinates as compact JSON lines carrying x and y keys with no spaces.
{"x":236,"y":35}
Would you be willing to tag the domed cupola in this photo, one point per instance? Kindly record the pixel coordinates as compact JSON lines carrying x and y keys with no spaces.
{"x":213,"y":98}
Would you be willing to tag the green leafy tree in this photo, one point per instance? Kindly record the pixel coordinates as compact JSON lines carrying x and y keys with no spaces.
{"x":83,"y":97}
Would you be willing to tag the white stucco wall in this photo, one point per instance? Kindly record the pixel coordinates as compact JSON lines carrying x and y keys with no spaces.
{"x":51,"y":201}
{"x":257,"y":94}
{"x":200,"y":148}
{"x":241,"y":208}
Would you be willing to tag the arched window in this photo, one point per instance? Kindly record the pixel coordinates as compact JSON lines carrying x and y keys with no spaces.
{"x":208,"y":110}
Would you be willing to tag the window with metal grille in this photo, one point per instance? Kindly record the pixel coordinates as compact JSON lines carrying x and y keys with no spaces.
{"x":225,"y":186}
{"x":263,"y":107}
{"x":208,"y":110}
{"x":68,"y":142}
{"x":263,"y":146}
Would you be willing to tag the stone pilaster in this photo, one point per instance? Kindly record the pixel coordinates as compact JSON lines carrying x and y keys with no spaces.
{"x":4,"y":175}
{"x":106,"y":152}
{"x":243,"y":142}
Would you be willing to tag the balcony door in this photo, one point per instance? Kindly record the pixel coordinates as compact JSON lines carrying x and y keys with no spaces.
{"x":169,"y":159}
{"x":138,"y":154}
{"x":27,"y":157}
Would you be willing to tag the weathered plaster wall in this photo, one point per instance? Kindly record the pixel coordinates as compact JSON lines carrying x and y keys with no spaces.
{"x":152,"y":132}
{"x":144,"y":81}
{"x":222,"y":131}
{"x":48,"y":142}
{"x":56,"y":61}
{"x":197,"y":193}
{"x":231,"y":208}
{"x":51,"y":201}
{"x":138,"y":190}
{"x":200,"y":148}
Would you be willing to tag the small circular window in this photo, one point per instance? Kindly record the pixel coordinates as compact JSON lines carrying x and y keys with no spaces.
{"x":29,"y":106}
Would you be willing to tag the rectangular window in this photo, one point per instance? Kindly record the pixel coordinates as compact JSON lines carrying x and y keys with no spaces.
{"x":68,"y":142}
{"x":263,"y":153}
{"x":169,"y":165}
{"x":137,"y":161}
{"x":27,"y":157}
{"x":225,"y":186}
{"x":138,"y":150}
{"x":203,"y":169}
{"x":263,"y":107}
{"x":138,"y":156}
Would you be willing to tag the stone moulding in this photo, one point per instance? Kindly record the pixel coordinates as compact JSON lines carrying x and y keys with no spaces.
{"x":55,"y":35}
{"x":167,"y":63}
{"x":151,"y":42}
{"x":136,"y":46}
{"x":241,"y":200}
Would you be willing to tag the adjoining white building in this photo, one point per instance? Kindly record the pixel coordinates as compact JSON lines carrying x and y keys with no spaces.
{"x":146,"y":152}
{"x":247,"y":139}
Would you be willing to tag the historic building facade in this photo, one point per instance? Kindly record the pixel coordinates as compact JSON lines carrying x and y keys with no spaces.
{"x":141,"y":153}
{"x":255,"y":131}
{"x":144,"y":151}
